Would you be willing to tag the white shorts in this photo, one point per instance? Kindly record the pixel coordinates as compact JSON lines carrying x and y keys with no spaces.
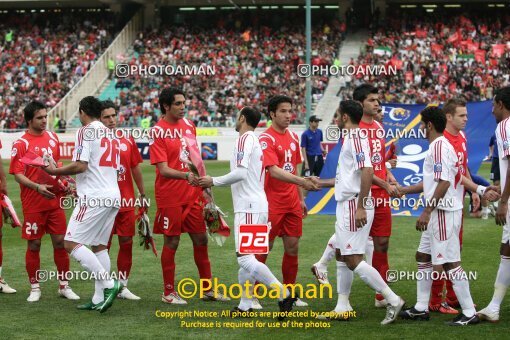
{"x":506,"y":228}
{"x":91,"y":226}
{"x":441,"y":239}
{"x":349,"y":239}
{"x":247,"y":218}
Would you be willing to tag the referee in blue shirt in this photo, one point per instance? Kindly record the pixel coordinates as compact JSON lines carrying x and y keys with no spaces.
{"x":311,"y":146}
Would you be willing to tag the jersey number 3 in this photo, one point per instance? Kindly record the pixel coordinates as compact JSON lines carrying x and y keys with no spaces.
{"x":111,"y":154}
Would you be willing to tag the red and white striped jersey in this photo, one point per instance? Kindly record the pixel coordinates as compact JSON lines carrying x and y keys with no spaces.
{"x":503,"y":141}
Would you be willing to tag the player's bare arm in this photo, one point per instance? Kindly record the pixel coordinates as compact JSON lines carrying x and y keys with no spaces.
{"x":490,"y":193}
{"x":327,"y":183}
{"x":305,"y":159}
{"x":137,"y":176}
{"x":503,"y":204}
{"x":367,"y":175}
{"x":390,"y":188}
{"x":42,"y":189}
{"x":284,"y":176}
{"x":303,"y":204}
{"x":423,"y":220}
{"x":168,"y":172}
{"x":74,"y":168}
{"x":412,"y":189}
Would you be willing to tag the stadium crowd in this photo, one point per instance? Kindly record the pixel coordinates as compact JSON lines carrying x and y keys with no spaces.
{"x":437,"y":58}
{"x":43,"y":55}
{"x":250,"y":66}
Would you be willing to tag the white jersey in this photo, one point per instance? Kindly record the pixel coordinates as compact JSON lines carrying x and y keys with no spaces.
{"x":503,"y":141}
{"x":354,"y":155}
{"x":103,"y":158}
{"x":248,"y":195}
{"x":441,"y":163}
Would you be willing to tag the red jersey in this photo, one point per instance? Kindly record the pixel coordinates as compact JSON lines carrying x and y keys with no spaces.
{"x":31,"y":200}
{"x":375,"y":133}
{"x":168,"y":145}
{"x":283,"y":151}
{"x":129,"y":158}
{"x":459,"y":143}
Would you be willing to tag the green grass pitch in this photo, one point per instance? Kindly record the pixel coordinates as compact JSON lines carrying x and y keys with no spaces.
{"x":54,"y":317}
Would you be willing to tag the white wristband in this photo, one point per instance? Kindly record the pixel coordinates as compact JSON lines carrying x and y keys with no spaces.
{"x":480,"y":190}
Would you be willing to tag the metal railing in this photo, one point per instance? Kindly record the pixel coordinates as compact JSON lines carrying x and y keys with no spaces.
{"x":67,"y":107}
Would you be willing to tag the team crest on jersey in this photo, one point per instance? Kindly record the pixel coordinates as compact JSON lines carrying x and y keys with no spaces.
{"x":14,"y":152}
{"x":52,"y":143}
{"x":122,"y":170}
{"x":123,"y":147}
{"x":288,"y":167}
{"x":240,"y":156}
{"x":293,"y":146}
{"x":263,"y":145}
{"x":506,"y":144}
{"x":376,"y":158}
{"x":438,"y":167}
{"x":360,"y":157}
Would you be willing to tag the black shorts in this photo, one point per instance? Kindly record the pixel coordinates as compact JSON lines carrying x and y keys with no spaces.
{"x":315,"y":164}
{"x":495,"y":176}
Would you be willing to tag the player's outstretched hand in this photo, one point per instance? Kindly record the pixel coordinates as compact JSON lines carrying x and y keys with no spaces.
{"x":205,"y":182}
{"x":311,"y":184}
{"x":192,"y":179}
{"x":393,"y":191}
{"x":501,"y":213}
{"x":43,"y":190}
{"x":491,"y":194}
{"x":361,"y":217}
{"x":476,"y":201}
{"x":423,"y":221}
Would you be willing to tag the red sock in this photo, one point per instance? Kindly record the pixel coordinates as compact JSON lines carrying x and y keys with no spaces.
{"x":125,"y":259}
{"x":380,"y":263}
{"x":436,"y":294}
{"x":33,"y":263}
{"x":289,"y":268}
{"x":450,"y":293}
{"x":261,"y":257}
{"x":62,"y":262}
{"x":202,"y":261}
{"x":168,"y":266}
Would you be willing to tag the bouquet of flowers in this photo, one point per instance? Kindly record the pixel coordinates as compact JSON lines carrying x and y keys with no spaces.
{"x":9,"y":213}
{"x":144,"y":230}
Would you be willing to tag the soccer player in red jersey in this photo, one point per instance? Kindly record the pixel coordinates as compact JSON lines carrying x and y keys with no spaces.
{"x":177,"y":196}
{"x":4,"y":287}
{"x":456,"y":119}
{"x":380,"y":232}
{"x":286,"y":203}
{"x":124,"y":225}
{"x":40,"y":200}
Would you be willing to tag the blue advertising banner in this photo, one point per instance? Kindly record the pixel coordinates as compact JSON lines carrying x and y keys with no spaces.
{"x":411,"y":150}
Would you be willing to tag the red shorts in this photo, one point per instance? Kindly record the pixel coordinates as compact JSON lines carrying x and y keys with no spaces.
{"x":382,"y":214}
{"x":286,"y":224}
{"x":177,"y":220}
{"x":35,"y":225}
{"x":124,"y":224}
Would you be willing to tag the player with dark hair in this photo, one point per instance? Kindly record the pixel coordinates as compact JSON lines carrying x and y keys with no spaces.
{"x":354,"y":215}
{"x":95,"y":164}
{"x":4,"y":287}
{"x":501,"y":111}
{"x":287,"y":207}
{"x":40,"y":200}
{"x":177,"y":196}
{"x":124,"y":225}
{"x":250,"y":205}
{"x":440,"y":221}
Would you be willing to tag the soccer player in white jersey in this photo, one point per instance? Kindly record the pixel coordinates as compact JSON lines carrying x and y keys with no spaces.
{"x":354,"y":215}
{"x":501,"y":110}
{"x":95,"y":164}
{"x":246,"y":177}
{"x":440,"y":221}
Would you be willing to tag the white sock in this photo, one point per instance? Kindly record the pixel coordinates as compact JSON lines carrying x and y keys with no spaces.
{"x":328,"y":254}
{"x":369,"y":251}
{"x":104,"y":258}
{"x":243,"y":276}
{"x":344,"y":278}
{"x":371,"y":277}
{"x":260,"y":272}
{"x":423,"y":286}
{"x":35,"y":286}
{"x":501,"y":284}
{"x":91,"y":263}
{"x":0,"y":272}
{"x":485,"y":210}
{"x":461,"y":289}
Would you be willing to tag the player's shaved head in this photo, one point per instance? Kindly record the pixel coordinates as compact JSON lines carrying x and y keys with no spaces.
{"x":91,"y":107}
{"x":30,"y":110}
{"x":251,"y":115}
{"x":434,"y":115}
